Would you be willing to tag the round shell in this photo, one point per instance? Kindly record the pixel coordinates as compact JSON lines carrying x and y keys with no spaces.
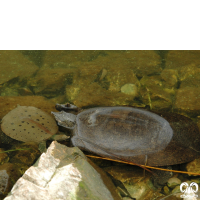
{"x":137,"y":135}
{"x":27,"y":123}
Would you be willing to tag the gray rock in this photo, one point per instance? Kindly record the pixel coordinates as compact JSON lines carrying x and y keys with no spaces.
{"x":60,"y":173}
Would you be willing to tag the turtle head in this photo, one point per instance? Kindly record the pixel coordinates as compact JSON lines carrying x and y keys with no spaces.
{"x":66,"y":107}
{"x":66,"y":120}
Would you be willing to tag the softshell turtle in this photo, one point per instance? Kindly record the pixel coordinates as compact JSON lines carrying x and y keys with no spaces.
{"x":132,"y":134}
{"x":30,"y":124}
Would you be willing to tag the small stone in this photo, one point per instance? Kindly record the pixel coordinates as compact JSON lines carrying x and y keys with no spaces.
{"x":166,"y":190}
{"x":170,"y":76}
{"x":9,"y":174}
{"x":173,"y":182}
{"x":193,"y":166}
{"x":196,"y":180}
{"x":187,"y":100}
{"x":176,"y":191}
{"x":3,"y":181}
{"x":130,"y":89}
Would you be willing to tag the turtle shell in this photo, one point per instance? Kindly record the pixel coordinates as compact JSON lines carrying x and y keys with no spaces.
{"x":137,"y":135}
{"x":28,"y":124}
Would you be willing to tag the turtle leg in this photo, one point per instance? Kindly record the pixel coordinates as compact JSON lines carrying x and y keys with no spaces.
{"x":145,"y":164}
{"x":67,"y":120}
{"x":42,"y":146}
{"x":60,"y":137}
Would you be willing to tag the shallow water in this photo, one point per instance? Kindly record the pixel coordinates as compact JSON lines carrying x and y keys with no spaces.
{"x":163,"y":81}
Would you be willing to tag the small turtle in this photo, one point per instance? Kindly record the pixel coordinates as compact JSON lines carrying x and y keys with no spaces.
{"x":132,"y":134}
{"x":30,"y":124}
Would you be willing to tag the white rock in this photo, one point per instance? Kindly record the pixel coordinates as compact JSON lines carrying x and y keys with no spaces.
{"x":60,"y":173}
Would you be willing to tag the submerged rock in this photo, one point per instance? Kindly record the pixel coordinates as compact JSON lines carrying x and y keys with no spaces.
{"x":61,"y":173}
{"x":9,"y":174}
